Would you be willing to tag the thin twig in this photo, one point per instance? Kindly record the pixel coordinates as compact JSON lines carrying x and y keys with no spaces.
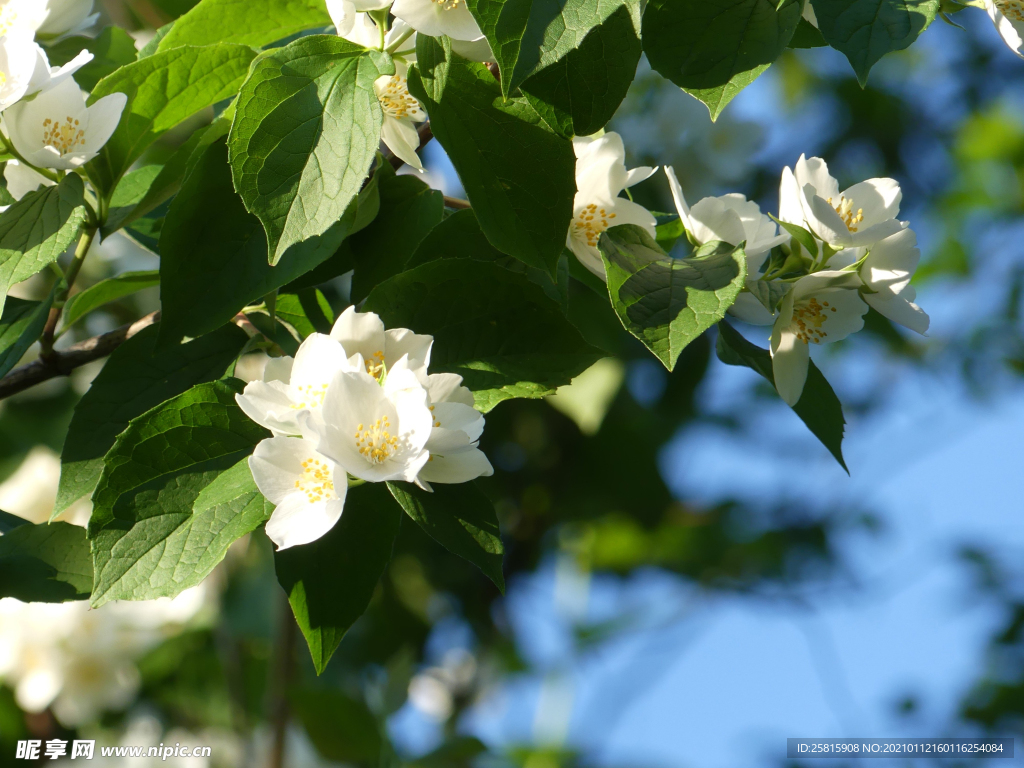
{"x":456,"y":203}
{"x":81,"y":251}
{"x":281,"y":679}
{"x":62,"y":363}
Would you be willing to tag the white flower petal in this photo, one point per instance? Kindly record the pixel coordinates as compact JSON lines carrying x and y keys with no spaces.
{"x":790,"y":360}
{"x":402,"y":138}
{"x":104,"y":117}
{"x":436,"y":19}
{"x":814,"y":171}
{"x":21,"y":179}
{"x":270,"y":405}
{"x":1012,"y":31}
{"x":636,"y":175}
{"x":900,"y":308}
{"x":317,"y":360}
{"x":600,"y":169}
{"x":296,"y":521}
{"x":447,"y":387}
{"x":359,"y":332}
{"x":460,"y":467}
{"x":878,"y":199}
{"x":791,"y":207}
{"x":748,"y":309}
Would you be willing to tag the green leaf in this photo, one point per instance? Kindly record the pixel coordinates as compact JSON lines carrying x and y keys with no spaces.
{"x":866,"y":30}
{"x":587,"y":85}
{"x":112,"y":48}
{"x":801,"y":235}
{"x":459,"y":518}
{"x":213,"y":253}
{"x":330,"y":581}
{"x":304,"y":108}
{"x":9,"y":522}
{"x":307,"y":311}
{"x":136,"y":378}
{"x":171,"y":533}
{"x":521,"y":185}
{"x":105,"y":291}
{"x":342,"y":729}
{"x":818,"y":406}
{"x":164,"y":89}
{"x":131,"y":190}
{"x":199,"y":425}
{"x":37,"y":229}
{"x":249,"y":22}
{"x":715,"y":48}
{"x":807,"y":36}
{"x":527,"y":36}
{"x":667,"y":303}
{"x":496,"y":329}
{"x":46,"y":563}
{"x":20,"y":326}
{"x":409,"y":209}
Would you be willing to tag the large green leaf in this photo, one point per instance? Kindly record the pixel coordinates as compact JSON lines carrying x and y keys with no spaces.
{"x":45,"y":563}
{"x":715,"y":48}
{"x":495,"y":328}
{"x":528,"y":35}
{"x":213,"y":253}
{"x":200,"y":425}
{"x":461,"y":519}
{"x":665,"y":302}
{"x":306,"y":130}
{"x":37,"y":229}
{"x":409,"y":209}
{"x":587,"y":85}
{"x":137,"y":377}
{"x":519,"y":175}
{"x":20,"y":326}
{"x":164,"y":89}
{"x":249,"y":22}
{"x":818,"y":406}
{"x":866,"y":30}
{"x":105,"y":291}
{"x":330,"y":581}
{"x":169,"y":534}
{"x":111,"y":48}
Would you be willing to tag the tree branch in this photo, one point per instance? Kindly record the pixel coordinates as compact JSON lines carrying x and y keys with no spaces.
{"x":64,"y":362}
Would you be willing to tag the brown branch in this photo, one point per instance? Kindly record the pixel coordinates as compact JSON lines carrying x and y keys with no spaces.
{"x":62,"y":363}
{"x":456,"y":203}
{"x":281,"y":673}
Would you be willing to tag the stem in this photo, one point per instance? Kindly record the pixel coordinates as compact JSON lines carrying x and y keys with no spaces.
{"x":393,"y":48}
{"x":64,"y":362}
{"x":380,"y":18}
{"x":45,"y":172}
{"x":84,"y":243}
{"x":281,"y":678}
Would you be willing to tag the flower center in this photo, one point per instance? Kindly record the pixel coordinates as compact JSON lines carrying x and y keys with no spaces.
{"x":448,"y":5}
{"x":64,"y":136}
{"x":809,"y":318}
{"x":8,"y":18}
{"x":845,"y":210}
{"x":375,"y":364}
{"x":317,"y":481}
{"x":396,"y":100}
{"x":312,"y":396}
{"x":590,"y":222}
{"x":377,"y":444}
{"x":1011,"y":9}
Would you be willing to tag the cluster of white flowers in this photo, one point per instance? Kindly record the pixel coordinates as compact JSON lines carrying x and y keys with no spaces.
{"x":77,"y":661}
{"x":43,"y":113}
{"x":357,"y":403}
{"x":863,"y":255}
{"x":81,"y":662}
{"x":364,"y":22}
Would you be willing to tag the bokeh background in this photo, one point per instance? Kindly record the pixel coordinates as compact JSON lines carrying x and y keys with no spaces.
{"x":692,"y":578}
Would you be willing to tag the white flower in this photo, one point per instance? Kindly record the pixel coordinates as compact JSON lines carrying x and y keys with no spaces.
{"x":439,"y":17}
{"x":886,"y":274}
{"x":474,"y":50}
{"x":22,"y":17}
{"x":601,"y":176}
{"x":353,"y":23}
{"x":821,"y":308}
{"x":67,"y":17}
{"x":863,"y":214}
{"x":57,"y":130}
{"x":25,"y":70}
{"x":401,"y":110}
{"x":1008,"y":16}
{"x":732,"y":219}
{"x":307,"y":488}
{"x":291,"y":388}
{"x":377,"y":431}
{"x":21,"y":179}
{"x":455,"y":456}
{"x":82,"y":662}
{"x":378,"y":350}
